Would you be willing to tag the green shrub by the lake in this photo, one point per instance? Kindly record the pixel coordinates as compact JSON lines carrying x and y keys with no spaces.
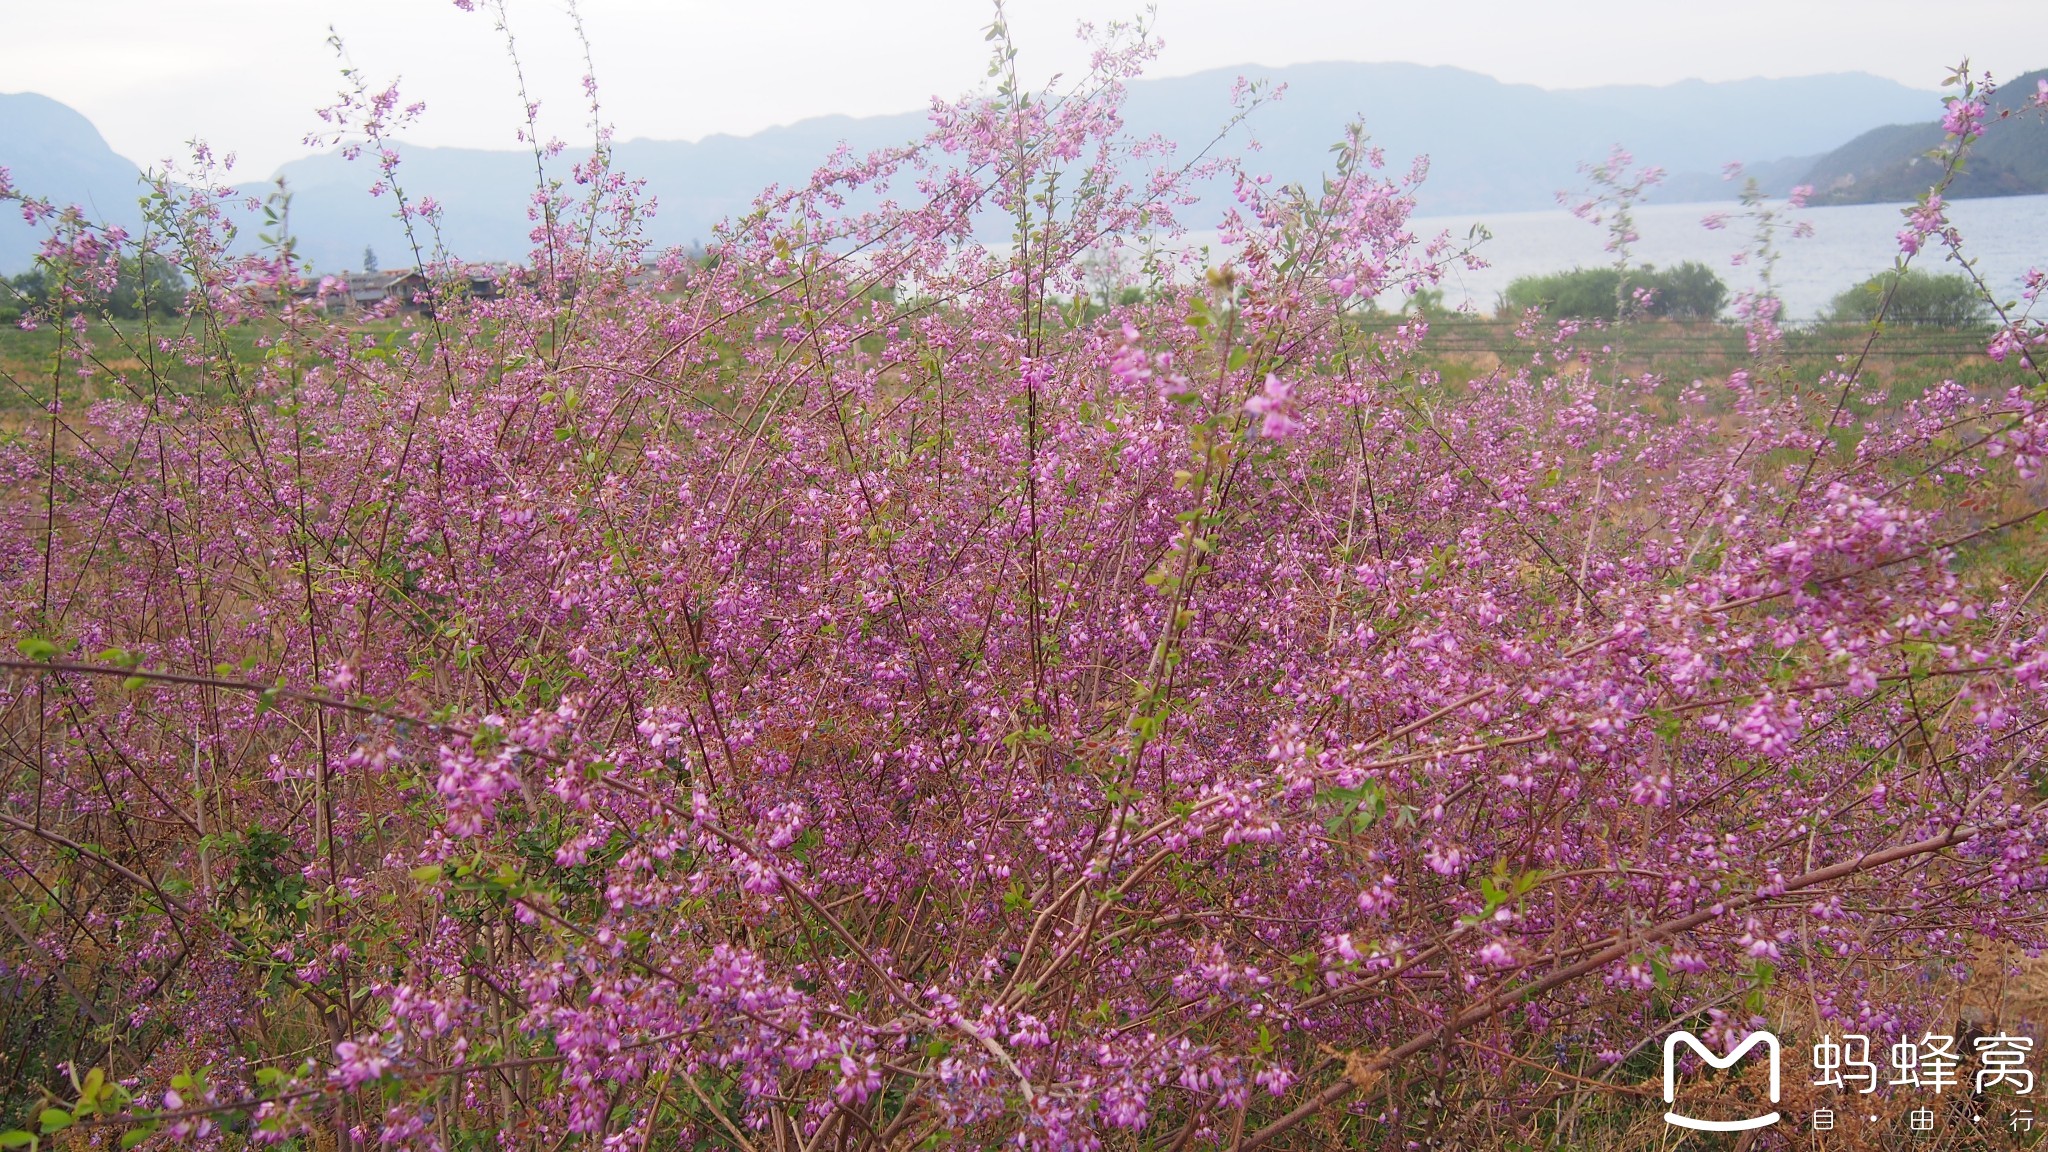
{"x":1938,"y":300}
{"x":1688,"y":291}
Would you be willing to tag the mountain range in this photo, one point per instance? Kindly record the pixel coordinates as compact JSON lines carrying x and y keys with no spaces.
{"x":51,"y":151}
{"x":1891,"y":163}
{"x":1493,"y":147}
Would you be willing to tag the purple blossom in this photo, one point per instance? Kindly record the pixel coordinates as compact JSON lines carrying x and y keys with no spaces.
{"x":1274,"y":405}
{"x":821,"y":674}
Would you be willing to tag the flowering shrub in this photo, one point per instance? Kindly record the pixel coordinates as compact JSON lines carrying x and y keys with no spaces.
{"x":865,"y":691}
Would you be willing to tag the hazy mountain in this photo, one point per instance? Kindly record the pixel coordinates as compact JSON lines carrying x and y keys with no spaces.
{"x":1775,"y":177}
{"x":1493,"y":147}
{"x":1891,"y":163}
{"x":1497,"y":147}
{"x":50,"y":150}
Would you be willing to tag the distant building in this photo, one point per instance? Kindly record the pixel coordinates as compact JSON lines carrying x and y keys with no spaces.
{"x":487,"y":280}
{"x":369,"y":289}
{"x":410,"y":288}
{"x":663,"y":276}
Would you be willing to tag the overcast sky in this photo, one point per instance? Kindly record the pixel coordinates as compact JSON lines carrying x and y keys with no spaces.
{"x":246,"y":74}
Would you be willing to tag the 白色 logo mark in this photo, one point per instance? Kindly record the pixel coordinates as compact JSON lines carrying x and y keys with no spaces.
{"x":1671,"y":1042}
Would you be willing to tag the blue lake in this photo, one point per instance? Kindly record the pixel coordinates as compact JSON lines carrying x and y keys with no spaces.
{"x":2005,"y":235}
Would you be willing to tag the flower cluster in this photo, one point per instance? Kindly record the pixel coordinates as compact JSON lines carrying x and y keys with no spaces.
{"x":863,"y":694}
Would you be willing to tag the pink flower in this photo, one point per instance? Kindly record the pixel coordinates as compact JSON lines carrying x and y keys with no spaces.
{"x":1127,"y":363}
{"x":1927,"y":217}
{"x":1274,"y":1079}
{"x":859,"y":1078}
{"x":356,"y":1063}
{"x":1274,"y":405}
{"x":1963,"y":118}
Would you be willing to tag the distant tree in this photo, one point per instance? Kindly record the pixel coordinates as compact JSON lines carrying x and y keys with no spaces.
{"x":1582,"y":293}
{"x":1688,"y":291}
{"x":149,"y":283}
{"x":1923,"y":298}
{"x":369,"y":259}
{"x":152,"y":282}
{"x":14,"y":298}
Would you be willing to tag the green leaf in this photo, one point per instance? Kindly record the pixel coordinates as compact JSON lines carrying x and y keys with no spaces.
{"x":53,"y":1120}
{"x":35,"y":648}
{"x":134,"y":1136}
{"x":806,"y":842}
{"x":17,"y":1139}
{"x":427,"y":873}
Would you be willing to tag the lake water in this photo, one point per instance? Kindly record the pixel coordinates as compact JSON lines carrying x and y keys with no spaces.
{"x":2007,"y":235}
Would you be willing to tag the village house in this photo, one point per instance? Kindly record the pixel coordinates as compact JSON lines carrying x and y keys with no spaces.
{"x":351,"y":292}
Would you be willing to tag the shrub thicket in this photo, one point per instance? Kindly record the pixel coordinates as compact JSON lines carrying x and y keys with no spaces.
{"x":143,"y":283}
{"x":1932,"y":299}
{"x":779,"y":712}
{"x":1687,"y":291}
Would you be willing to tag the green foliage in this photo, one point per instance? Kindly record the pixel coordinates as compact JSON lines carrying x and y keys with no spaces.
{"x":36,"y":648}
{"x":1938,"y":300}
{"x":1585,"y":293}
{"x":96,"y":1096}
{"x":1688,"y":291}
{"x":1430,"y":303}
{"x":149,"y":283}
{"x":261,"y":883}
{"x":1358,"y":809}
